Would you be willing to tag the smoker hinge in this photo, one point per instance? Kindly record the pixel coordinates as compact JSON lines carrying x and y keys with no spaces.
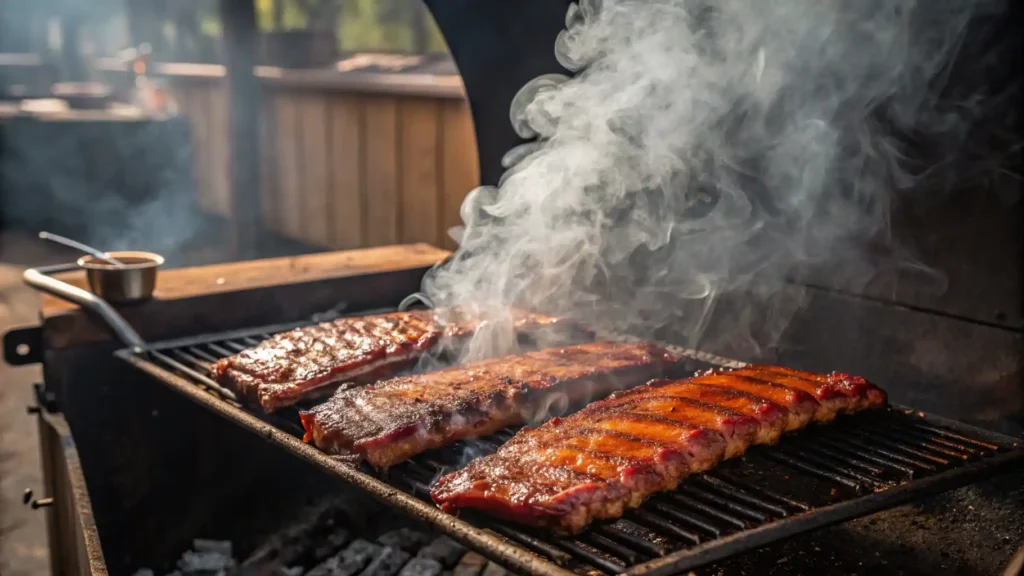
{"x":23,"y":346}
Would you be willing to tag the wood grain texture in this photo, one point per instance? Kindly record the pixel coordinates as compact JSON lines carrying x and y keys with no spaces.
{"x":342,"y":170}
{"x":347,"y":152}
{"x":288,"y":152}
{"x":190,"y":97}
{"x":269,"y":189}
{"x":383,"y":217}
{"x":420,"y":154}
{"x":238,"y":294}
{"x":220,"y":149}
{"x":312,"y":196}
{"x":460,"y":172}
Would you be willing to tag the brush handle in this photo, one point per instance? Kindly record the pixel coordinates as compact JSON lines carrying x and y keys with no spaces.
{"x":80,"y":247}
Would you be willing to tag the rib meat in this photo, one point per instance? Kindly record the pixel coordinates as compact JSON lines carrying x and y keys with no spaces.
{"x":390,"y":421}
{"x":614,"y":453}
{"x":310,"y":362}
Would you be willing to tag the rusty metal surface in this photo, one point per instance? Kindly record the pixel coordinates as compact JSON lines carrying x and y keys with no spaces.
{"x":75,"y":548}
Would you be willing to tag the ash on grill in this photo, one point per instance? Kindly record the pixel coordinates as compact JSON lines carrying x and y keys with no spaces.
{"x":327,"y":543}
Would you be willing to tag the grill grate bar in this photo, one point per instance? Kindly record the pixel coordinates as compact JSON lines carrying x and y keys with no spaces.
{"x":815,"y":470}
{"x":708,"y":496}
{"x":890,"y":465}
{"x":196,"y":363}
{"x":234,"y":345}
{"x":890,"y":454}
{"x":200,"y":378}
{"x":949,"y":444}
{"x":765,"y":492}
{"x":618,"y":532}
{"x":660,"y":508}
{"x":537,"y":545}
{"x":839,"y":468}
{"x":902,"y":447}
{"x":437,"y":466}
{"x":829,"y":455}
{"x":681,"y":500}
{"x":955,"y":436}
{"x":658,"y":524}
{"x":591,"y":557}
{"x":906,"y":438}
{"x":220,"y":350}
{"x":724,"y":487}
{"x":941,"y":445}
{"x":600,"y":542}
{"x":199,"y":352}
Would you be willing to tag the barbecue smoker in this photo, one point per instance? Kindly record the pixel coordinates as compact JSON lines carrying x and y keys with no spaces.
{"x":143,"y":452}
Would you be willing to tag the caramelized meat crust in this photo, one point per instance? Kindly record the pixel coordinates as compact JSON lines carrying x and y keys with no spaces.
{"x":389,"y":421}
{"x":610,"y":456}
{"x":312,"y":361}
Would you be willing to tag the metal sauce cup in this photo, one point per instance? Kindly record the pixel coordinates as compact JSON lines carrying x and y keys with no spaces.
{"x":132,"y":283}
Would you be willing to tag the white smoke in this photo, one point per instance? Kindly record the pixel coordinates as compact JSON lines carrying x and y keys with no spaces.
{"x":706,"y":148}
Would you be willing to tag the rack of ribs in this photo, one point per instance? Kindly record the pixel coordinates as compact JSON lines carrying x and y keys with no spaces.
{"x":311,"y":361}
{"x":389,"y":421}
{"x":611,"y":455}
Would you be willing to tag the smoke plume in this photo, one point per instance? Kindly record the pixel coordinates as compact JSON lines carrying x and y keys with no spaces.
{"x":706,"y":149}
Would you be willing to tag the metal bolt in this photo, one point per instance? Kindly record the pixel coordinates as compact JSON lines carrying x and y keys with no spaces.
{"x":42,"y":503}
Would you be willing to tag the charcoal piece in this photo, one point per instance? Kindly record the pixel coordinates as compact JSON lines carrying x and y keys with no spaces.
{"x":331,"y":544}
{"x":471,"y":564}
{"x":267,"y":570}
{"x":218,"y":546}
{"x":349,"y":561}
{"x":421,"y":567}
{"x":444,"y":550}
{"x":205,"y":562}
{"x":358,"y":555}
{"x":493,"y":569}
{"x":405,"y":539}
{"x":388,"y":563}
{"x":329,"y":567}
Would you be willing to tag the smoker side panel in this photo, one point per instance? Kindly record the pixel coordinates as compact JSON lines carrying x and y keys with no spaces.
{"x":74,"y":540}
{"x":498,"y":47}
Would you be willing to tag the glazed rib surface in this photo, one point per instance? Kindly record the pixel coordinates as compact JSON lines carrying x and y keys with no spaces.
{"x":614,"y":453}
{"x":389,"y":421}
{"x":310,"y":362}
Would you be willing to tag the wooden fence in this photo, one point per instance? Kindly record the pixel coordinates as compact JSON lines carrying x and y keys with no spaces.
{"x":344,"y":164}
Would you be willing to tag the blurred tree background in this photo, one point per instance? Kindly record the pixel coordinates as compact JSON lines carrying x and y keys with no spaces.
{"x":402,"y":26}
{"x":190,"y":30}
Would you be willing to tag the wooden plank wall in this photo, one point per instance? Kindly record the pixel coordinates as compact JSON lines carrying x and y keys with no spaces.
{"x":342,"y":169}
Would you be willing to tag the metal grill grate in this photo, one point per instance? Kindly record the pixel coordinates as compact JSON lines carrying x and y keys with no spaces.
{"x":821,"y":476}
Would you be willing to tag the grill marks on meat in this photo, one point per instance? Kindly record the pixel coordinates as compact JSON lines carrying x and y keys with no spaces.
{"x":310,"y":362}
{"x":390,"y":421}
{"x":608,"y":457}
